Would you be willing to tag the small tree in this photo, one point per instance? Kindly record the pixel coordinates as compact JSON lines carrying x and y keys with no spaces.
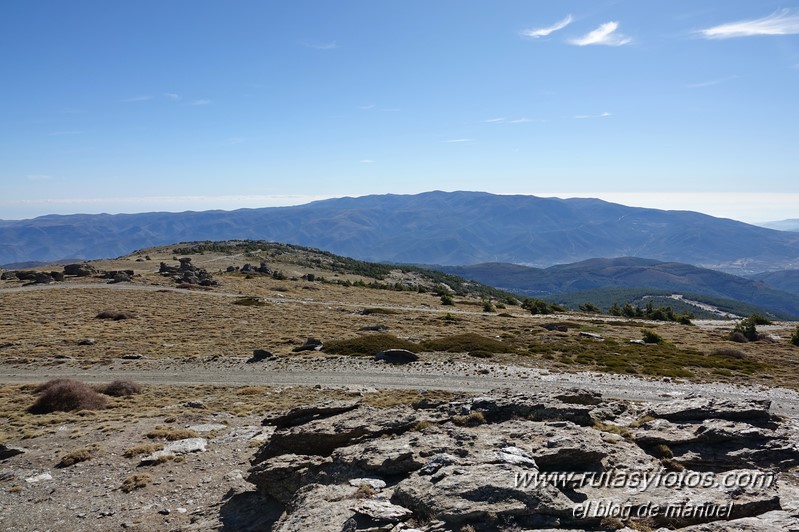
{"x":747,"y":328}
{"x":651,"y":337}
{"x":590,"y":308}
{"x":795,"y":337}
{"x":488,"y":306}
{"x":446,"y":299}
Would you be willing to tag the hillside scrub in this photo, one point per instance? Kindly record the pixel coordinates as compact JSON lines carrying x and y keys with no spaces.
{"x":795,"y":336}
{"x":468,"y":342}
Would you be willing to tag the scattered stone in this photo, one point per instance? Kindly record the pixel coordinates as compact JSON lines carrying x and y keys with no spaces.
{"x":87,"y":341}
{"x":311,"y":344}
{"x":38,"y":478}
{"x":7,"y":451}
{"x":593,"y":336}
{"x":132,"y":356}
{"x":208,"y":427}
{"x":259,"y":355}
{"x":375,"y":483}
{"x":374,"y":328}
{"x":194,"y":404}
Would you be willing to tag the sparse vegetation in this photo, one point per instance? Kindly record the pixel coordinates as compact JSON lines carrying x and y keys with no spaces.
{"x":446,"y":299}
{"x":66,"y":395}
{"x":746,"y":330}
{"x":142,"y":448}
{"x":170,"y":434}
{"x":539,"y":306}
{"x":250,"y":301}
{"x":795,"y":336}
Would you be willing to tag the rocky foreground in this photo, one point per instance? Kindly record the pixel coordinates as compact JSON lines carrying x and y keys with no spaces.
{"x":493,"y":463}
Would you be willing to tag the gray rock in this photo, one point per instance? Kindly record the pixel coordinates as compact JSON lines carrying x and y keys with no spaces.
{"x":281,"y":476}
{"x":515,"y":456}
{"x":311,"y":344}
{"x":8,"y":451}
{"x":306,"y":413}
{"x":87,"y":341}
{"x":382,"y":511}
{"x":694,"y":409}
{"x":397,"y":356}
{"x":259,"y":355}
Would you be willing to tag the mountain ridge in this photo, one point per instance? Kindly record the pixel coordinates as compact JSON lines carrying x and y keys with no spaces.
{"x":449,"y":228}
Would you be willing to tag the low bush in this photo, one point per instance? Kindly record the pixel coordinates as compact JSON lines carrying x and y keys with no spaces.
{"x":795,"y":336}
{"x":115,"y":315}
{"x":651,"y":337}
{"x":66,"y":395}
{"x":137,"y":481}
{"x":73,"y":457}
{"x":163,"y":433}
{"x":121,"y":388}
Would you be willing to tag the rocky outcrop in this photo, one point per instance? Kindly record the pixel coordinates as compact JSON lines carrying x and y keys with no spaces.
{"x":508,"y":461}
{"x":187,"y":274}
{"x":397,"y":356}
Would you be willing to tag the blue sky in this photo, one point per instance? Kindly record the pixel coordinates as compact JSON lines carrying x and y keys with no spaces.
{"x":176,"y":105}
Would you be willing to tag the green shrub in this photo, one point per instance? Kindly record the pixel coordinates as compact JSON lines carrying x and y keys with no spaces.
{"x":651,"y":337}
{"x":590,"y":308}
{"x":488,"y":307}
{"x":747,"y":327}
{"x":446,"y":299}
{"x":795,"y":337}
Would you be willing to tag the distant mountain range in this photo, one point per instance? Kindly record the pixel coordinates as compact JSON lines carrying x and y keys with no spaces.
{"x":447,"y":228}
{"x":783,"y":225}
{"x":593,"y":275}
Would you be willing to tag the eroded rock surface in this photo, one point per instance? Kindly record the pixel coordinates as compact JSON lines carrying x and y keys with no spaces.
{"x":510,"y":461}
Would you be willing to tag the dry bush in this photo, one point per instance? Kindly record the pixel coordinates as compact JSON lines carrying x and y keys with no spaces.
{"x":120,"y":388}
{"x":472,"y":420}
{"x":164,"y":433}
{"x":142,"y":448}
{"x":137,"y":481}
{"x":73,"y":457}
{"x":115,"y":315}
{"x":66,"y":395}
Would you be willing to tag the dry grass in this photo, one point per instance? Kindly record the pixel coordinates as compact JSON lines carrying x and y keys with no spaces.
{"x":142,"y":448}
{"x":170,"y":434}
{"x":472,"y":419}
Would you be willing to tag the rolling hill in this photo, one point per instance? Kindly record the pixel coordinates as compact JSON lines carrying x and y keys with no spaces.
{"x":592,"y":276}
{"x":432,"y":228}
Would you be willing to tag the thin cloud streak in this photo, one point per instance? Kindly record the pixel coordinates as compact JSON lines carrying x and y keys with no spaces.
{"x":604,"y":35}
{"x":536,"y":33}
{"x":710,"y":83}
{"x":783,"y":22}
{"x":601,"y":115}
{"x":200,"y":102}
{"x":456,"y":141}
{"x":321,"y":46}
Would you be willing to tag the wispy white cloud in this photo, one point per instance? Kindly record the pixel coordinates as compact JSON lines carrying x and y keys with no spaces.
{"x":604,"y":35}
{"x":321,"y":46}
{"x":455,"y":141}
{"x":200,"y":102}
{"x":64,"y":133}
{"x":783,"y":22}
{"x":39,"y":177}
{"x":366,"y":161}
{"x":600,"y":115}
{"x":503,"y":120}
{"x":535,"y":33}
{"x":172,"y":96}
{"x":368,"y":107}
{"x":710,"y":83}
{"x":137,"y":99}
